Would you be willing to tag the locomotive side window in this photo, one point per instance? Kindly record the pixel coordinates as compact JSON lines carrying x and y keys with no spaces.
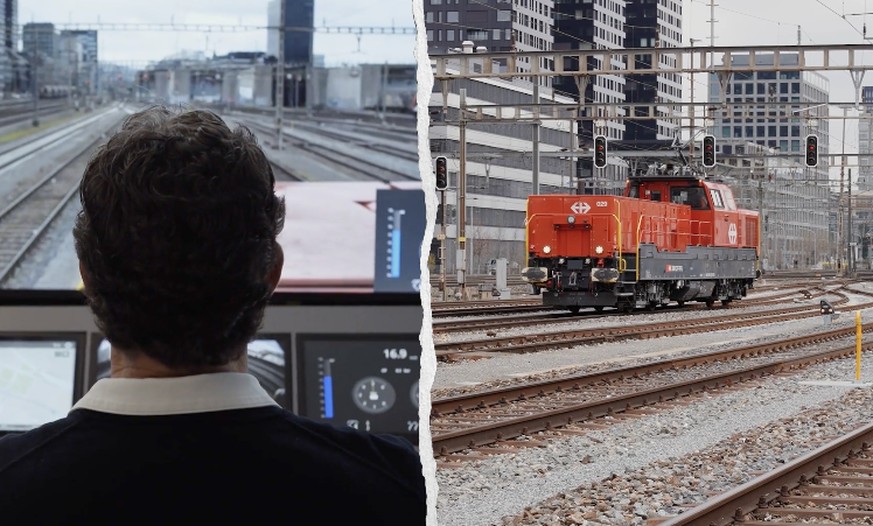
{"x":716,"y":198}
{"x":728,"y":197}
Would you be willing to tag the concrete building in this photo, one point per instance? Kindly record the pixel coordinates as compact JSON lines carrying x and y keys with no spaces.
{"x":298,"y":58}
{"x":247,"y":79}
{"x":593,"y":25}
{"x":865,"y":141}
{"x":273,"y":22}
{"x":299,"y":14}
{"x":862,"y":197}
{"x":70,"y":68}
{"x":655,"y":23}
{"x":497,"y":25}
{"x":612,"y":25}
{"x":39,"y":37}
{"x":12,"y":72}
{"x":86,"y":63}
{"x":805,"y":92}
{"x":374,"y":87}
{"x":499,"y":170}
{"x":794,"y":199}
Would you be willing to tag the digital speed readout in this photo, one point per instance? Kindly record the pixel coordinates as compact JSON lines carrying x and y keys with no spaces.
{"x":368,"y":383}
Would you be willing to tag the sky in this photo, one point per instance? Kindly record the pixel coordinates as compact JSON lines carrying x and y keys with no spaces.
{"x":775,"y":22}
{"x":136,"y":48}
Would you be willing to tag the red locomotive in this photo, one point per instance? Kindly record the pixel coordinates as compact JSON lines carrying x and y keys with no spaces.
{"x":670,"y":238}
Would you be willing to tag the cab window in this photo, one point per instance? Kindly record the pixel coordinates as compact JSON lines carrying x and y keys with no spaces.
{"x":728,"y":198}
{"x":693,"y":196}
{"x":717,"y":200}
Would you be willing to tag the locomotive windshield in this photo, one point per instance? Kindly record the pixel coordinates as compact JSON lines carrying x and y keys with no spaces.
{"x":693,"y":196}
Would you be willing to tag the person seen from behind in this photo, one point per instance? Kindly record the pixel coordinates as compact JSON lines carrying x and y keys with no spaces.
{"x":177,"y":249}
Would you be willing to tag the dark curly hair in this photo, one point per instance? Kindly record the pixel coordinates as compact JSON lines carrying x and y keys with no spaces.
{"x":177,"y":236}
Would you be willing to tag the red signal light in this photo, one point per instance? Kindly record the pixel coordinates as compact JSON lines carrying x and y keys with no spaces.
{"x":600,"y":151}
{"x":811,"y":150}
{"x":708,"y":151}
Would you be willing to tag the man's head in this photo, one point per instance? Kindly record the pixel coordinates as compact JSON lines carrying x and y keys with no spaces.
{"x":177,"y":237}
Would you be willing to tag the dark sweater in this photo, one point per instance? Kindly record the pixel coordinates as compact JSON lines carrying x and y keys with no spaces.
{"x":247,"y":466}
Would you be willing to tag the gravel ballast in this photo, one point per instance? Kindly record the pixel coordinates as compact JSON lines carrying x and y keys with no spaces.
{"x":642,"y":468}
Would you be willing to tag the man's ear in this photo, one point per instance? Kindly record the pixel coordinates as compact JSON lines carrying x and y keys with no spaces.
{"x":86,"y":278}
{"x":276,"y":270}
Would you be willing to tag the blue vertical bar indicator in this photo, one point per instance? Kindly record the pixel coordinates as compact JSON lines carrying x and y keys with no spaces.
{"x":328,"y":397}
{"x":400,"y":222}
{"x":327,"y":389}
{"x":395,"y":249}
{"x":395,"y":253}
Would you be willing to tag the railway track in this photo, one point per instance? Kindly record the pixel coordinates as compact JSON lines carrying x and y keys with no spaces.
{"x":37,"y":144}
{"x":489,"y":307}
{"x":26,"y":219}
{"x":354,"y":163}
{"x":22,"y":112}
{"x":503,"y":415}
{"x":480,"y":323}
{"x":366,"y":169}
{"x":283,"y":174}
{"x":353,"y":137}
{"x":832,"y":484}
{"x":387,"y":120}
{"x":571,"y":337}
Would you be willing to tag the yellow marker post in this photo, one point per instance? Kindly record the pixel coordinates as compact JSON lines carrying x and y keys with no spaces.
{"x":857,"y":346}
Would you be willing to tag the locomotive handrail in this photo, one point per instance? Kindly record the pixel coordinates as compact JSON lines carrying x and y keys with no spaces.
{"x":527,"y":222}
{"x":620,"y":243}
{"x":639,"y":242}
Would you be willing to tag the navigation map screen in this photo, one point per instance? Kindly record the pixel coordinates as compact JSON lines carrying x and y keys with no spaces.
{"x":365,"y":382}
{"x":37,"y":381}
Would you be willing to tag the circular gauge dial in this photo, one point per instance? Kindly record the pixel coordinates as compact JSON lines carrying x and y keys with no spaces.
{"x":374,"y":395}
{"x":413,"y":394}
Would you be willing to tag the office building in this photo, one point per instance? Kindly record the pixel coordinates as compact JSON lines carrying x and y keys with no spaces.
{"x":39,"y":37}
{"x":865,"y":141}
{"x":653,"y":23}
{"x":496,"y":25}
{"x":500,"y":170}
{"x":298,"y":24}
{"x":793,"y":199}
{"x":12,"y":66}
{"x":613,"y":25}
{"x":85,"y":64}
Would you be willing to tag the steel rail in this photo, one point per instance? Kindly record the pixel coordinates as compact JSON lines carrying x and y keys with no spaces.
{"x":733,"y":505}
{"x":568,"y":338}
{"x":466,"y":402}
{"x":553,"y":315}
{"x":454,"y":441}
{"x":37,"y":233}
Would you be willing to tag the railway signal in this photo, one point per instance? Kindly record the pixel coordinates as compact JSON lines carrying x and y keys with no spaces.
{"x":442,"y":173}
{"x":811,"y":150}
{"x":600,"y":151}
{"x":708,"y":151}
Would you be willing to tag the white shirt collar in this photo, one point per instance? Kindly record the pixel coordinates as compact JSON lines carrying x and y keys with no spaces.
{"x":201,"y":393}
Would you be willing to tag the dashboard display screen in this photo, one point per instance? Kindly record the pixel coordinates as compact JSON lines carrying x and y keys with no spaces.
{"x":368,"y":382}
{"x":37,"y":381}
